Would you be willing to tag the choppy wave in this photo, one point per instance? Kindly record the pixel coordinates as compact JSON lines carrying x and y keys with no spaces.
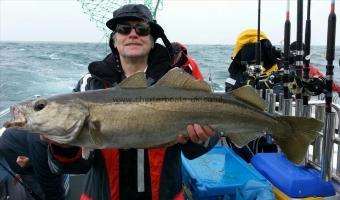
{"x":54,"y":56}
{"x":30,"y":68}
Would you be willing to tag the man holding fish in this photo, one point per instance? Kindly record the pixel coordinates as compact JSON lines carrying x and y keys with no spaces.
{"x":153,"y":173}
{"x":138,"y":132}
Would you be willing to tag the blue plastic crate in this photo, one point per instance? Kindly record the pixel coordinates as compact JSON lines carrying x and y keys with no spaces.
{"x":217,"y":175}
{"x":295,"y":181}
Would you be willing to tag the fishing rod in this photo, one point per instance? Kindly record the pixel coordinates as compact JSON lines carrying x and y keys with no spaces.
{"x":294,"y":82}
{"x":258,"y":66}
{"x":299,"y":47}
{"x":306,"y":59}
{"x":330,"y":116}
{"x":254,"y":70}
{"x":259,"y":70}
{"x":258,"y":42}
{"x":330,"y":56}
{"x":33,"y":194}
{"x":287,"y":103}
{"x":299,"y":57}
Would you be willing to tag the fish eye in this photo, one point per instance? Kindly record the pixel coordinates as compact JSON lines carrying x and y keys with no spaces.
{"x":39,"y":105}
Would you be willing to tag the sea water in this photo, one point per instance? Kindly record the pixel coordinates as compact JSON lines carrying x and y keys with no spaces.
{"x":46,"y":68}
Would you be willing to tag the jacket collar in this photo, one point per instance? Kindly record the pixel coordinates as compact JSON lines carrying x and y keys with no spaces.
{"x":108,"y":71}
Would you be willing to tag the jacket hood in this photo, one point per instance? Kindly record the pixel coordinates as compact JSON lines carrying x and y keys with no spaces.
{"x":246,"y":37}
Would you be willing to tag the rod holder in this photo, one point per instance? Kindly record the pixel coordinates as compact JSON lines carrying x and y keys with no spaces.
{"x":281,"y":98}
{"x":271,"y":99}
{"x":320,"y":112}
{"x":298,"y":107}
{"x":306,"y":111}
{"x":320,"y":115}
{"x":271,"y":103}
{"x":267,"y":93}
{"x":260,"y":92}
{"x":327,"y":147}
{"x":338,"y":162}
{"x":287,"y":107}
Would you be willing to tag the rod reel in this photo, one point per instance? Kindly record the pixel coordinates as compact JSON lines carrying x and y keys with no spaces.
{"x":254,"y":75}
{"x":309,"y":87}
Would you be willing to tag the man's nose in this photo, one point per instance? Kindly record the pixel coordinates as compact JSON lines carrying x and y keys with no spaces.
{"x":133,"y":33}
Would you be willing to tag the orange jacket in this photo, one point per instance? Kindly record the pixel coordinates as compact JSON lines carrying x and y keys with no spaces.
{"x":314,"y":72}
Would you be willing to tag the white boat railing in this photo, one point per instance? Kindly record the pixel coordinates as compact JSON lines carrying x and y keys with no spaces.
{"x":315,"y":153}
{"x":4,"y":112}
{"x":322,"y":155}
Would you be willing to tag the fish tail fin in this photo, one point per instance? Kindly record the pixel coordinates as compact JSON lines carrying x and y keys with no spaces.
{"x":304,"y":132}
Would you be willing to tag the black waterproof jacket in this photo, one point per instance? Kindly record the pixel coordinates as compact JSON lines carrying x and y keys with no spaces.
{"x":100,"y":182}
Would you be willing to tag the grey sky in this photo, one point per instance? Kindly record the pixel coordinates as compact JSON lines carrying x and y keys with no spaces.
{"x":190,"y":21}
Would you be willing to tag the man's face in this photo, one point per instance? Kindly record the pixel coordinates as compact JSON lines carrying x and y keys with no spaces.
{"x":131,"y":44}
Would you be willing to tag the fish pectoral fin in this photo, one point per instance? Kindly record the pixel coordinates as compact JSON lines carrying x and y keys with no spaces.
{"x":243,"y":139}
{"x":137,"y":80}
{"x":304,"y":132}
{"x":178,"y":78}
{"x":94,"y":130}
{"x":248,"y":94}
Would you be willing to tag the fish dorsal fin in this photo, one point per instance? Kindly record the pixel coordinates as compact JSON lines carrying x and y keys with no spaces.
{"x":137,"y":80}
{"x":178,"y":78}
{"x":248,"y":94}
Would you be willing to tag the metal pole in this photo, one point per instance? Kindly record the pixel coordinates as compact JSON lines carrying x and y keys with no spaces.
{"x":338,"y":162}
{"x":271,"y":102}
{"x":267,"y":93}
{"x":330,"y":116}
{"x":299,"y":55}
{"x":306,"y":110}
{"x":287,"y":107}
{"x":306,"y":60}
{"x":287,"y":101}
{"x":281,"y":98}
{"x":298,"y":106}
{"x":258,"y":43}
{"x":327,"y":147}
{"x":320,"y":115}
{"x":286,"y":53}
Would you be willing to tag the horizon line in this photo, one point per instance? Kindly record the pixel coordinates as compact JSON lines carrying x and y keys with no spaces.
{"x":92,"y":42}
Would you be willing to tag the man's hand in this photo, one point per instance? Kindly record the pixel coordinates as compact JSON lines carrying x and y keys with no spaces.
{"x":196,"y":133}
{"x":23,"y":161}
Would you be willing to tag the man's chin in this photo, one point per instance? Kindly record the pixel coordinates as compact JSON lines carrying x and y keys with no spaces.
{"x":136,"y":55}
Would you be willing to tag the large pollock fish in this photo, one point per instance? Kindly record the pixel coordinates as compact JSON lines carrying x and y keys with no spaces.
{"x":133,"y":115}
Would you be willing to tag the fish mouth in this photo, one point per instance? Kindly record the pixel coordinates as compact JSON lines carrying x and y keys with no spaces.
{"x":18,"y":120}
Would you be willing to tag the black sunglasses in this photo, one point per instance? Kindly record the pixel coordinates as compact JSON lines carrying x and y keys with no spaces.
{"x":142,"y":29}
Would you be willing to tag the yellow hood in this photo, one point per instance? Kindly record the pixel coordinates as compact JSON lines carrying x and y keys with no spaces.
{"x":246,"y":37}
